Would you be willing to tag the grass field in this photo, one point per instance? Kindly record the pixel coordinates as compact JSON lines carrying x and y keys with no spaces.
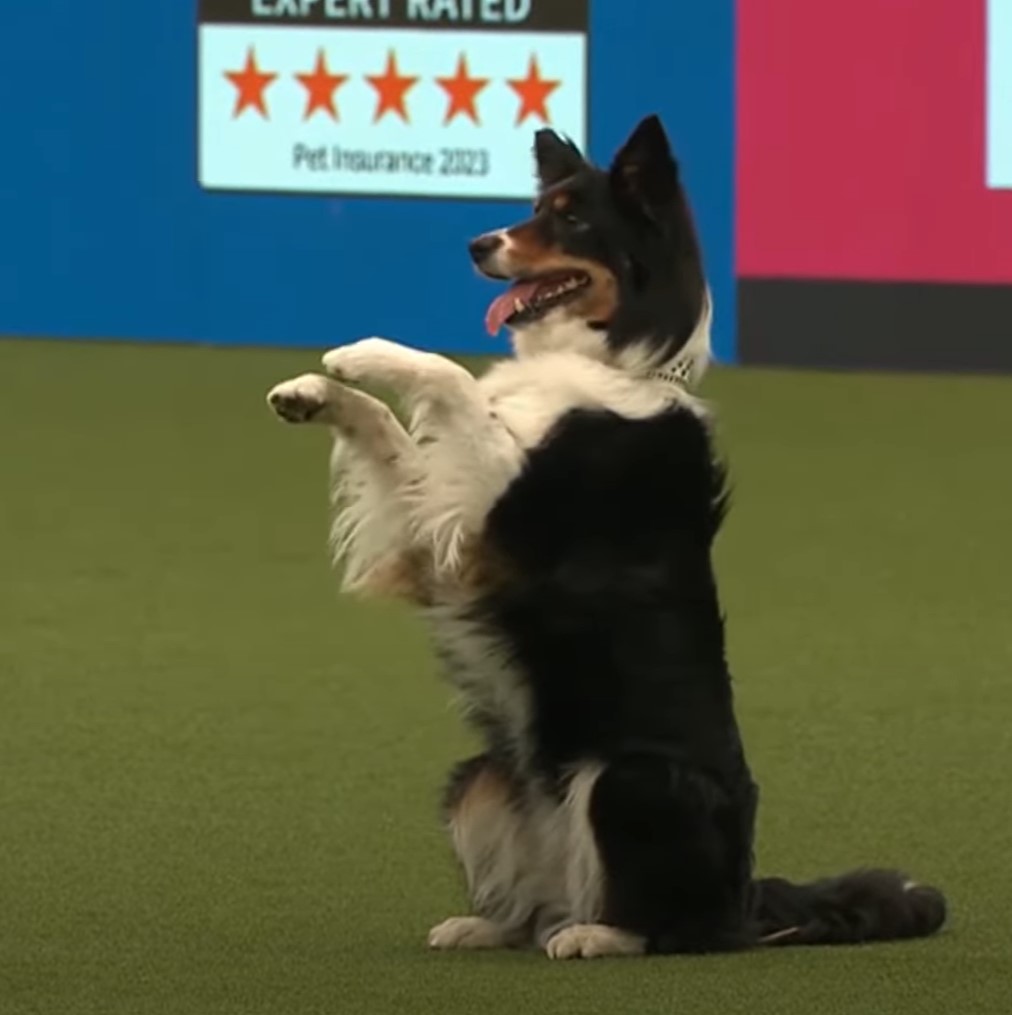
{"x":218,"y":780}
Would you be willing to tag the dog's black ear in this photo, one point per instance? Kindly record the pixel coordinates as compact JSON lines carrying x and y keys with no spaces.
{"x":644,"y":173}
{"x":557,"y":158}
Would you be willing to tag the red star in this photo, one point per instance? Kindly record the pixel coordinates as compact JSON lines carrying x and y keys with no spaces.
{"x":251,"y":83}
{"x":321,"y":85}
{"x":462,"y":90}
{"x":533,"y":91}
{"x":391,"y":90}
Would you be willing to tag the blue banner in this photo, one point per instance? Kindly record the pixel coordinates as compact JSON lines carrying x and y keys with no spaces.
{"x":109,"y":231}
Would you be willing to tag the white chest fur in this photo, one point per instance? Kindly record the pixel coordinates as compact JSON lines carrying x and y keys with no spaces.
{"x":530,"y":395}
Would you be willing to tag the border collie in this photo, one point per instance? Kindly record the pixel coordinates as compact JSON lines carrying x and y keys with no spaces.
{"x":554,"y":520}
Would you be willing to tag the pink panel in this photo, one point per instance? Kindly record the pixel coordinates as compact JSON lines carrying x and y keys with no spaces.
{"x":861,"y":143}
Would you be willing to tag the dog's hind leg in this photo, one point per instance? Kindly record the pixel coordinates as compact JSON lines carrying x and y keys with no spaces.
{"x":675,"y":853}
{"x":494,"y":836}
{"x":374,"y":466}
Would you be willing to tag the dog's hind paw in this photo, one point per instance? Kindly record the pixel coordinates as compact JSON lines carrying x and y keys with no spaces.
{"x":593,"y":941}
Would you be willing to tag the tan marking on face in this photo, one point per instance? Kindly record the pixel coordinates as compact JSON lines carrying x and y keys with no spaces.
{"x":561,"y":202}
{"x":599,"y":300}
{"x":526,"y":245}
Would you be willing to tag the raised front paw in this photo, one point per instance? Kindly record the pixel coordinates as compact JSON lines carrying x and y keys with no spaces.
{"x":410,"y":371}
{"x":304,"y":399}
{"x":375,"y":359}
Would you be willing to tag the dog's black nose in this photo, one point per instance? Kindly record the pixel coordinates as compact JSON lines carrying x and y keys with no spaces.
{"x":484,"y":247}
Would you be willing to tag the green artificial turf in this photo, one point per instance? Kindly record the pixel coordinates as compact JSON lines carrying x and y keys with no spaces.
{"x":218,"y":780}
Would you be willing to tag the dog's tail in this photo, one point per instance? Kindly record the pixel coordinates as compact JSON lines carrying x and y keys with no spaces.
{"x":863,"y":905}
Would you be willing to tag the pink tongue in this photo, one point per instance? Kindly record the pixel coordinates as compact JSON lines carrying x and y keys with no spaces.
{"x":503,"y":307}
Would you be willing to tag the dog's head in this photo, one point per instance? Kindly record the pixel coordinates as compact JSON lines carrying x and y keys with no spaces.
{"x":609,"y":263}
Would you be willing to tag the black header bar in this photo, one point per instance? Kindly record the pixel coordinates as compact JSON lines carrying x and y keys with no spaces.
{"x":461,"y":15}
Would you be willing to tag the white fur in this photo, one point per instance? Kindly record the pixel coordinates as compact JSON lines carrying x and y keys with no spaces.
{"x":558,"y":331}
{"x":584,"y":874}
{"x":532,"y":857}
{"x":466,"y":932}
{"x":594,"y":941}
{"x":374,"y":466}
{"x":371,"y":524}
{"x":531,"y":394}
{"x":483,"y":675}
{"x":498,"y":849}
{"x":467,"y":458}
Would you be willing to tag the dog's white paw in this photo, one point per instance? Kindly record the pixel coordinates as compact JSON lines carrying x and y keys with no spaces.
{"x":302,"y":399}
{"x":593,"y":941}
{"x":374,"y":359}
{"x":466,"y":932}
{"x":380,"y":361}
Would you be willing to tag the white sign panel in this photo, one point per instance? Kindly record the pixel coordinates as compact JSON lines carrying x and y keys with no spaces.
{"x":999,"y":93}
{"x":424,"y":98}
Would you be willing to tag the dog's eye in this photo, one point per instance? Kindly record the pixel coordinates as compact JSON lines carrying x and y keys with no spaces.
{"x":570,"y":218}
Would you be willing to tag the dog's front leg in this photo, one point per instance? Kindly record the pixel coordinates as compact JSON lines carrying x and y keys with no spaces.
{"x":374,"y":466}
{"x":469,"y":456}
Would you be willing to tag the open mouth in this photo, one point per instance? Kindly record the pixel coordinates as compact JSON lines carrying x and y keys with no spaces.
{"x":528,"y":299}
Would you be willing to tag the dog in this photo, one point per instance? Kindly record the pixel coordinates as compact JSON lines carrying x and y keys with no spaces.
{"x":554,"y":520}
